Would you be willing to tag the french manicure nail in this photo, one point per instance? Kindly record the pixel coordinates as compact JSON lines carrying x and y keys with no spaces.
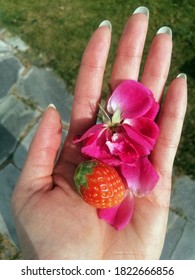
{"x":106,"y":23}
{"x":51,"y":106}
{"x":183,"y":76}
{"x":141,"y":10}
{"x":165,"y":30}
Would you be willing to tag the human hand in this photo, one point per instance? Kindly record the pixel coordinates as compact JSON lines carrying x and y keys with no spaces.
{"x":52,"y":220}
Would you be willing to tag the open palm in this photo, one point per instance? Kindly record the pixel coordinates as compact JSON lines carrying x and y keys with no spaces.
{"x":52,"y":221}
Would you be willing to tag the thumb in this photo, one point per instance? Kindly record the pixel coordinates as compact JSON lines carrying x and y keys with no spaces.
{"x":43,"y":150}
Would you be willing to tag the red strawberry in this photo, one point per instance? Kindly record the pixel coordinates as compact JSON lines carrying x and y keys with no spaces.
{"x":99,"y":184}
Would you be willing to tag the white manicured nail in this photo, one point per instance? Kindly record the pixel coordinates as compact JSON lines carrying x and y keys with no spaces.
{"x":165,"y":30}
{"x":183,"y":76}
{"x":106,"y":23}
{"x":51,"y":106}
{"x":142,"y":10}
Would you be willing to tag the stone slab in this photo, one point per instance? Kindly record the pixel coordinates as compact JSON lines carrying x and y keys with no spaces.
{"x":185,"y":249}
{"x":44,"y":87}
{"x":17,"y":43}
{"x":180,"y":234}
{"x":8,"y":181}
{"x":15,"y":117}
{"x":7,"y":143}
{"x":22,"y":149}
{"x":10,"y":68}
{"x":175,"y":229}
{"x":4,"y":47}
{"x":183,"y":197}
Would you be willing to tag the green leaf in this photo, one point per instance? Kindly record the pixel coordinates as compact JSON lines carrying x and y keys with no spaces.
{"x":105,"y":116}
{"x":116,"y":118}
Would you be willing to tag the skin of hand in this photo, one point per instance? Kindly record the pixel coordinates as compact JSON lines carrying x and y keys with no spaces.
{"x":52,"y":220}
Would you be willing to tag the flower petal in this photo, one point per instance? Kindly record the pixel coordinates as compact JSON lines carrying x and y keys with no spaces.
{"x":152,"y":113}
{"x":96,"y":129}
{"x":118,"y":216}
{"x":95,"y":147}
{"x":147,"y":128}
{"x":141,"y":178}
{"x":120,"y":147}
{"x":132,"y":98}
{"x":137,"y":137}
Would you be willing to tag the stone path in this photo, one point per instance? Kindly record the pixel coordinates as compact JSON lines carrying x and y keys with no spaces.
{"x":25,"y":92}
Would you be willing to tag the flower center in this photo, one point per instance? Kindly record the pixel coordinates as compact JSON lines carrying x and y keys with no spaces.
{"x":113,"y":121}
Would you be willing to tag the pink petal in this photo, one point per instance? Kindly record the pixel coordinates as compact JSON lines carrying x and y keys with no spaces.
{"x":123,"y":150}
{"x":141,"y":150}
{"x":96,"y":129}
{"x":141,"y":178}
{"x":133,"y":99}
{"x":137,"y":137}
{"x":95,"y":147}
{"x":118,"y":216}
{"x":113,"y":161}
{"x":94,"y":140}
{"x":152,"y":113}
{"x":147,"y":128}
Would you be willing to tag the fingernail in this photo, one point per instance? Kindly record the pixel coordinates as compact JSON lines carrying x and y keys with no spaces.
{"x":51,"y":106}
{"x":165,"y":30}
{"x":183,"y":76}
{"x":142,"y":10}
{"x":106,"y":23}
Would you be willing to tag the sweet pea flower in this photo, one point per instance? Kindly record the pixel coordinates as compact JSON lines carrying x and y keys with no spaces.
{"x":124,"y":140}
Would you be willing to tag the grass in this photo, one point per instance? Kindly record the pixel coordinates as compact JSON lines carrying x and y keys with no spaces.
{"x":7,"y":250}
{"x":58,"y":31}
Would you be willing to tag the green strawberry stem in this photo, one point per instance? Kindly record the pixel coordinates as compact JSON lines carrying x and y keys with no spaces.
{"x":80,"y":178}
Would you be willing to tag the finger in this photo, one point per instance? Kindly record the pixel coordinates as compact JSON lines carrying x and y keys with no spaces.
{"x":89,"y":82}
{"x":130,"y":49}
{"x":170,"y":124}
{"x":43,"y":150}
{"x":158,"y":62}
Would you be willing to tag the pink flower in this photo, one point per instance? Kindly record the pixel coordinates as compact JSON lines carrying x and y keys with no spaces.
{"x":125,"y":140}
